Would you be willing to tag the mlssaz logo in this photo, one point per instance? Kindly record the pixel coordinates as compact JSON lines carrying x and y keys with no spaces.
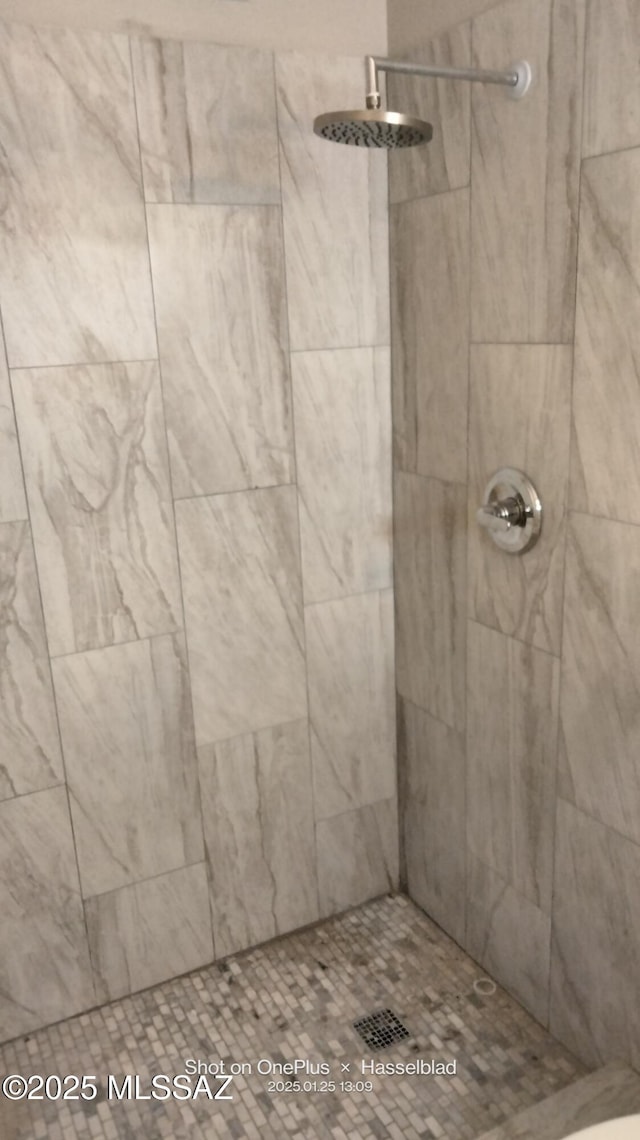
{"x":162,"y":1087}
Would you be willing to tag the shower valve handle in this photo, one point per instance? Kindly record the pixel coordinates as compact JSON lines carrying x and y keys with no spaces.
{"x":511,"y":511}
{"x":503,"y":514}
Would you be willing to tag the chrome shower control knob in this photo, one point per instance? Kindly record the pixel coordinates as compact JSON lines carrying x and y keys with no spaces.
{"x":511,"y":511}
{"x":501,"y":516}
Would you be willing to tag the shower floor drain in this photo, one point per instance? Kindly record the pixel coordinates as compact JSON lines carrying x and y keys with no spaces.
{"x":381,"y":1029}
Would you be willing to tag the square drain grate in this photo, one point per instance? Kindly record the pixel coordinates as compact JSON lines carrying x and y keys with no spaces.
{"x":381,"y":1029}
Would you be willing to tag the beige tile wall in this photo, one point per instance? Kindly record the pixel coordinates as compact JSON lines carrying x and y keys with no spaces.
{"x":192,"y":508}
{"x":537,"y":723}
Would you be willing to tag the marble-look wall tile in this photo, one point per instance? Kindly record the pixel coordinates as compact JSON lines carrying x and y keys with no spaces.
{"x":335,"y":211}
{"x":351,"y":702}
{"x":224,"y":353}
{"x":431,"y":762}
{"x":430,"y":350}
{"x":127,"y":736}
{"x":509,"y":936}
{"x":519,"y":416}
{"x":74,"y":271}
{"x":145,"y":933}
{"x":96,"y":469}
{"x":525,"y":173}
{"x":207,"y":117}
{"x":600,"y":709}
{"x":598,"y":1098}
{"x":605,"y":468}
{"x":258,"y":820}
{"x":240,"y":563}
{"x":44,"y":961}
{"x":358,"y":856}
{"x":343,"y":454}
{"x":430,"y":579}
{"x":512,"y":729}
{"x":30,"y":753}
{"x":13,"y":503}
{"x":595,"y":983}
{"x":444,"y":163}
{"x":612,"y":77}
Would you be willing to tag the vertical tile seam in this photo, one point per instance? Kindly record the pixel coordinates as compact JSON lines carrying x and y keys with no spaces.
{"x":54,"y":697}
{"x":295,"y":482}
{"x":196,"y":759}
{"x":392,"y":583}
{"x":566,"y":522}
{"x":467,"y":585}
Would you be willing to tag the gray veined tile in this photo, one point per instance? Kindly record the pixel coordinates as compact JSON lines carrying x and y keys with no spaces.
{"x":605,"y":468}
{"x":343,"y":454}
{"x":207,"y":118}
{"x":358,"y":856}
{"x":13,"y":503}
{"x":525,"y":174}
{"x":509,"y":936}
{"x":334,"y":202}
{"x":445,"y":163}
{"x":512,"y":726}
{"x":595,"y":984}
{"x":350,"y":664}
{"x":224,"y":354}
{"x":258,"y":820}
{"x":145,"y":933}
{"x":519,"y":417}
{"x":431,"y":762}
{"x":430,"y":351}
{"x":612,"y":77}
{"x":600,"y":708}
{"x":127,"y":735}
{"x":430,"y":581}
{"x":96,"y":470}
{"x":599,"y":1097}
{"x":74,"y":271}
{"x":44,"y":961}
{"x":240,"y":562}
{"x":31,"y":757}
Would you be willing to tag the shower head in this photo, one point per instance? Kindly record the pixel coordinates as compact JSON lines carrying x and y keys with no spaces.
{"x":390,"y":129}
{"x":373,"y":128}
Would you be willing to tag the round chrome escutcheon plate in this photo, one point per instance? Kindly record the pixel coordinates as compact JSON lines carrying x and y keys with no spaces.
{"x":511,"y":511}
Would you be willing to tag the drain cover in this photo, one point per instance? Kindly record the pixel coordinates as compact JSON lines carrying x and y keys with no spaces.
{"x":381,"y":1029}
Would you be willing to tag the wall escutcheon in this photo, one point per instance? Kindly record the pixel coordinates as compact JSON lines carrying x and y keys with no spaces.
{"x":511,"y":511}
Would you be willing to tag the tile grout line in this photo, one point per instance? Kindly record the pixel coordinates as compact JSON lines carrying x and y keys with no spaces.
{"x":345,"y":597}
{"x":608,"y":827}
{"x":283,"y":240}
{"x":393,"y":332}
{"x":512,"y":637}
{"x":81,"y":364}
{"x":187,"y":662}
{"x":465,"y":741}
{"x":567,"y":518}
{"x":177,"y":631}
{"x":233,"y":491}
{"x":339,"y":348}
{"x":54,"y":696}
{"x":399,"y":203}
{"x":141,"y":882}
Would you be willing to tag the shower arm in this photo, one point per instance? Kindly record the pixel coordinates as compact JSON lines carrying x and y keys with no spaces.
{"x":518,"y":80}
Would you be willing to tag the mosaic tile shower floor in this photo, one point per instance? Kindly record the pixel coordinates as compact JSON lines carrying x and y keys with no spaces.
{"x":298,"y":997}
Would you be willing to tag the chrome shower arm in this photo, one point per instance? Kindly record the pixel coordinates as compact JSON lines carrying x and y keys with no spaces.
{"x":518,"y":79}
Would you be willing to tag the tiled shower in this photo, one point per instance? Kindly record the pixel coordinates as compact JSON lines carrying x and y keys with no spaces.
{"x":514,"y":334}
{"x":197,"y":658}
{"x":252,"y":387}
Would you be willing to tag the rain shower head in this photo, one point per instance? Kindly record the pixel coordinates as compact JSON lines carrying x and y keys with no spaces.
{"x":374,"y":128}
